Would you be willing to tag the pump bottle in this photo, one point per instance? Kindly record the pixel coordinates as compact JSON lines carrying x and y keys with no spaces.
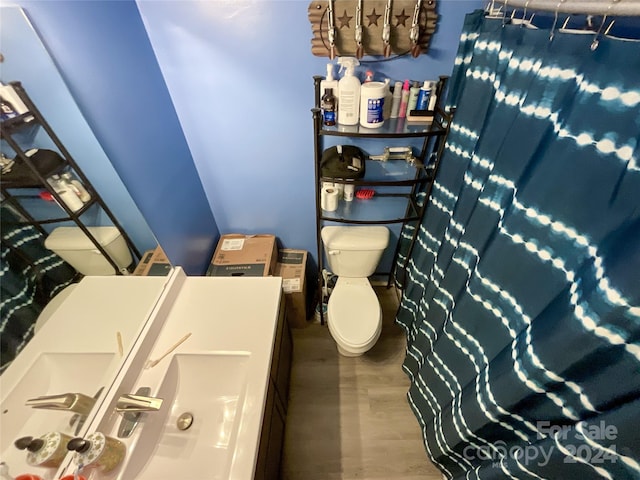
{"x":329,"y":82}
{"x":348,"y":92}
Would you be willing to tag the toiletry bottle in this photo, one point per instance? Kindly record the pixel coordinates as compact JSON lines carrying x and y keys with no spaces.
{"x":329,"y":82}
{"x":348,"y":92}
{"x":433,"y":98}
{"x":423,"y":96}
{"x":368,"y":76}
{"x":404,"y":100}
{"x":12,"y":104}
{"x":76,"y":186}
{"x":329,"y":108}
{"x":397,"y":98}
{"x":388,"y":99}
{"x":47,"y":451}
{"x":66,"y":194}
{"x":98,"y":451}
{"x":413,"y":97}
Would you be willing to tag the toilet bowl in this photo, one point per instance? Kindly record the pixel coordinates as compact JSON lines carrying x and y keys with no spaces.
{"x":354,"y":315}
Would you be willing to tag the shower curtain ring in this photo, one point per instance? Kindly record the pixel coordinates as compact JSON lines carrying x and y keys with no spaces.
{"x":596,"y":37}
{"x":504,"y":13}
{"x":555,"y":20}
{"x":524,"y":13}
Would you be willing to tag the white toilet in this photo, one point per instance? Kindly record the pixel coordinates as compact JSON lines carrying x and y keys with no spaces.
{"x":78,"y":250}
{"x":353,"y":312}
{"x":73,"y":246}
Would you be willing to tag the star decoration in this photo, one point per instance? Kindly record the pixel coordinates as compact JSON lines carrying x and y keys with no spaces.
{"x":344,"y":20}
{"x":402,"y":19}
{"x":373,"y":18}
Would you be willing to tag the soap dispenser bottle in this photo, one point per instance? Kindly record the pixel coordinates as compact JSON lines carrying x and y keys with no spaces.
{"x":329,"y":82}
{"x":98,"y":451}
{"x":349,"y":93}
{"x":47,"y":451}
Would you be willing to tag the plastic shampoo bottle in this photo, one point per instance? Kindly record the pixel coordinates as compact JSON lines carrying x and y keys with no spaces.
{"x":348,"y":93}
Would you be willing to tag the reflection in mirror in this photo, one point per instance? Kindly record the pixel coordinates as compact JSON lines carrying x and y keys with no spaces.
{"x":35,"y":275}
{"x":76,"y":355}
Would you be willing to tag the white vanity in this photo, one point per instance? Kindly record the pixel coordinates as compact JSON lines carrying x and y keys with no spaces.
{"x":224,"y":388}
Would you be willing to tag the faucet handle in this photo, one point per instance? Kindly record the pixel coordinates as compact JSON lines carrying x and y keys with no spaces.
{"x":137,"y":403}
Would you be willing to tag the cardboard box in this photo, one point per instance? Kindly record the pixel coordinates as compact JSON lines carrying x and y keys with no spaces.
{"x":292,"y":267}
{"x":244,"y":255}
{"x":154,"y":263}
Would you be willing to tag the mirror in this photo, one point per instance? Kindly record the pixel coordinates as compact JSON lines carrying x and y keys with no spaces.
{"x":25,"y":59}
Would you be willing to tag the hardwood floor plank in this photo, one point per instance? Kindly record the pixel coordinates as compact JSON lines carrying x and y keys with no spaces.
{"x":349,"y":418}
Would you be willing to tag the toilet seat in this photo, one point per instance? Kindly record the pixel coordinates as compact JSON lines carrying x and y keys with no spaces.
{"x":354,"y":313}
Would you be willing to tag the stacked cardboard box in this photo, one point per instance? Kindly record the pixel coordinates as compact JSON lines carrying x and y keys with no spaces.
{"x":244,"y":255}
{"x":292,"y":267}
{"x":154,"y":263}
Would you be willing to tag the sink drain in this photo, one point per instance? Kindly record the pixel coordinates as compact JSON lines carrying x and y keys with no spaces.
{"x":184,"y":421}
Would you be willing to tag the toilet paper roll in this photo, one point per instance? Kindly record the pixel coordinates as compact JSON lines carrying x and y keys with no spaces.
{"x":329,"y":199}
{"x":348,"y":192}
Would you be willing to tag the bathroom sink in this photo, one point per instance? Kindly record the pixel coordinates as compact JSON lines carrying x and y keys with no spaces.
{"x":50,"y":374}
{"x":209,"y":387}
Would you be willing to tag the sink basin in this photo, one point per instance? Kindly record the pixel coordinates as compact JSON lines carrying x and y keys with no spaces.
{"x":50,"y":374}
{"x":210,"y":387}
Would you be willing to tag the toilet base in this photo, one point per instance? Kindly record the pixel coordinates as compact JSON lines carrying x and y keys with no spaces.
{"x":345,"y":353}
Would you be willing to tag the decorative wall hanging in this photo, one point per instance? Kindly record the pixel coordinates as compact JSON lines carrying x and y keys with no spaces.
{"x":371,"y":27}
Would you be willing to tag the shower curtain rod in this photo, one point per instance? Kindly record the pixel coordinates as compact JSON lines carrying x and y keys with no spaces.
{"x":614,"y":8}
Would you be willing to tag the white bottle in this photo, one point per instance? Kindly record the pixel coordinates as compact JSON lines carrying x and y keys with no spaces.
{"x":348,"y":93}
{"x":397,"y":98}
{"x":12,"y":104}
{"x":433,"y":98}
{"x":77,"y":187}
{"x":329,"y":82}
{"x":70,"y":199}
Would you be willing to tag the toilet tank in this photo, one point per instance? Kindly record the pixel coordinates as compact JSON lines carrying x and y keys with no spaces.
{"x":79,"y":251}
{"x":354,"y":251}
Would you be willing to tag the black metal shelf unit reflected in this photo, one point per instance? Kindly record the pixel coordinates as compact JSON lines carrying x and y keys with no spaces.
{"x":29,"y":174}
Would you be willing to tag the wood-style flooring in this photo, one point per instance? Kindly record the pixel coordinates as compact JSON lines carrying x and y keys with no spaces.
{"x":348,"y":418}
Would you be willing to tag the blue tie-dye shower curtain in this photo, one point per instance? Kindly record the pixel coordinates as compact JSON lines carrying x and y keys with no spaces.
{"x":522,"y":301}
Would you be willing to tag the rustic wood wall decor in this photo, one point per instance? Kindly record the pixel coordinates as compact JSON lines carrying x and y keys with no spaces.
{"x":371,"y":27}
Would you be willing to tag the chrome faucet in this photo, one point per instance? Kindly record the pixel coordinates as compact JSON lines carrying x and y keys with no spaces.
{"x":129,"y":403}
{"x":71,"y":402}
{"x":133,"y":407}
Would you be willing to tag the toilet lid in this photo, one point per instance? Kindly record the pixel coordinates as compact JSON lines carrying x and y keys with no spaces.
{"x":354,"y":313}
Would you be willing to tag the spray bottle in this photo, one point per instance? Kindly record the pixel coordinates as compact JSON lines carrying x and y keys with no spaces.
{"x":348,"y":92}
{"x":329,"y":82}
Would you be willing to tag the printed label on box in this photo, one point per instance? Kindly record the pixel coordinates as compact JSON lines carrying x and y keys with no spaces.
{"x":232,"y":244}
{"x":290,"y":285}
{"x":294,"y":258}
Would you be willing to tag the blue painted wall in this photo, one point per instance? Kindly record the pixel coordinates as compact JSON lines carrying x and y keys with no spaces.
{"x":103,"y":53}
{"x":239,"y":75}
